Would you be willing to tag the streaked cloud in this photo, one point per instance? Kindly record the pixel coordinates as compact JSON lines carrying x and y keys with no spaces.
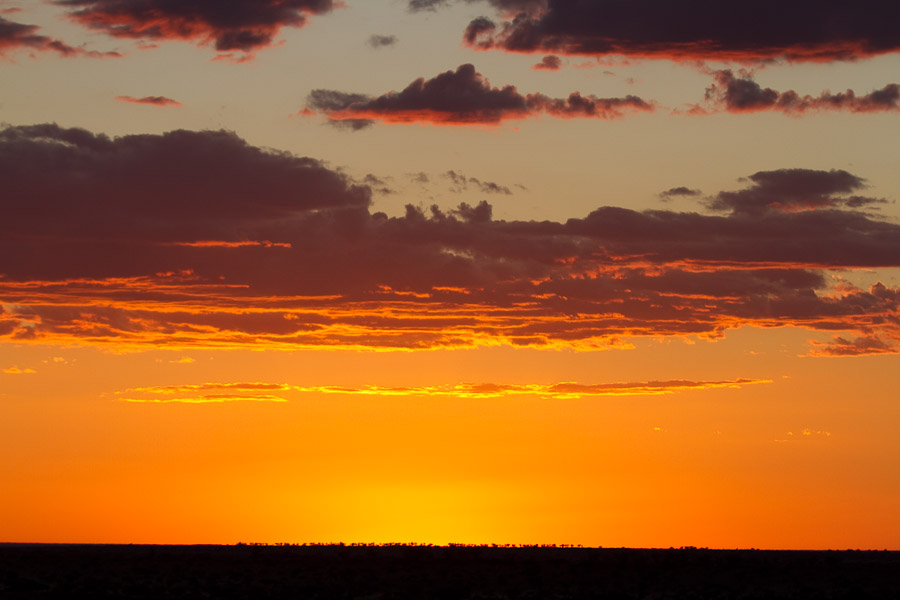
{"x":18,"y":371}
{"x":277,"y":392}
{"x":207,"y":393}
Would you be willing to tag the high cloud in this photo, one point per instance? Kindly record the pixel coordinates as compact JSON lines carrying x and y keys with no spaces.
{"x":237,"y":25}
{"x":800,"y":30}
{"x":465,"y":97}
{"x":741,"y":93}
{"x":17,"y":36}
{"x":197,"y":239}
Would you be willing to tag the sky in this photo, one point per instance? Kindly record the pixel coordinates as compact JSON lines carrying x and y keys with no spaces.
{"x":450,"y":271}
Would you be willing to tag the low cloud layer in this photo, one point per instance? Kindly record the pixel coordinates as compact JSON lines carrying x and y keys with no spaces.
{"x":197,"y":239}
{"x":801,"y":30}
{"x":464,"y":97}
{"x":234,"y":26}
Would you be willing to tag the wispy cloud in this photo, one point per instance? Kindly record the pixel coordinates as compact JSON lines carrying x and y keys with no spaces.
{"x":206,"y":393}
{"x":277,"y":392}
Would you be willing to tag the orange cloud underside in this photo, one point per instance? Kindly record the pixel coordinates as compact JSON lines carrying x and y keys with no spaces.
{"x":171,"y":310}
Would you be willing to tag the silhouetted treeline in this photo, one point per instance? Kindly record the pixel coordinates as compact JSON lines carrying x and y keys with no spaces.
{"x":400,"y":571}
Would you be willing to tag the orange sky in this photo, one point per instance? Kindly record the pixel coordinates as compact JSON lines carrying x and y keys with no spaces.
{"x":644,"y":292}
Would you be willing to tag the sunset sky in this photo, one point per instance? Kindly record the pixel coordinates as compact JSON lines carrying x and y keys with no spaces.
{"x":450,"y":271}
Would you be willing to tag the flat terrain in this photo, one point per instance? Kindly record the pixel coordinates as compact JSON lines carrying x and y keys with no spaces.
{"x":387,"y":572}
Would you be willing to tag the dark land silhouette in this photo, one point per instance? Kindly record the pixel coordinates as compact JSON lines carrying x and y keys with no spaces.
{"x":366,"y":572}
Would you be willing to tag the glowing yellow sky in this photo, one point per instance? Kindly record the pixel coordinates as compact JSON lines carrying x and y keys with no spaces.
{"x":263,"y":348}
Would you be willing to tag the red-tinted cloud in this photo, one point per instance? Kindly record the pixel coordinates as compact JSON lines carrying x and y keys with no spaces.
{"x":237,"y":25}
{"x":800,"y":30}
{"x":151,"y":100}
{"x":16,"y":36}
{"x":464,"y":97}
{"x":741,"y":94}
{"x":199,"y":239}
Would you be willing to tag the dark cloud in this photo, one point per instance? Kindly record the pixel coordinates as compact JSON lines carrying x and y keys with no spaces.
{"x":329,"y":101}
{"x":861,"y":346}
{"x":233,"y":185}
{"x":151,"y":100}
{"x":549,"y":63}
{"x":679,"y":191}
{"x":332,"y":101}
{"x":236,"y":25}
{"x":199,"y":239}
{"x":742,"y":94}
{"x":795,"y":190}
{"x":381,"y":41}
{"x":16,"y":36}
{"x":465,"y":97}
{"x":801,"y":30}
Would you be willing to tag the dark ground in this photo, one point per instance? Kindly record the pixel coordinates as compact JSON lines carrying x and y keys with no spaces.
{"x":388,"y":572}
